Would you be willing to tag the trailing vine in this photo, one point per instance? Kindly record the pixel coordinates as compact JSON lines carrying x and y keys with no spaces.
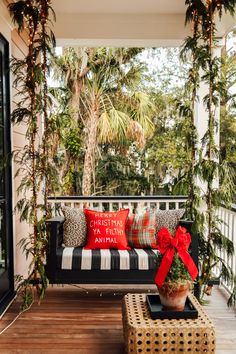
{"x":188,"y":180}
{"x":211,"y":169}
{"x":201,"y":45}
{"x":32,"y":16}
{"x":47,"y":41}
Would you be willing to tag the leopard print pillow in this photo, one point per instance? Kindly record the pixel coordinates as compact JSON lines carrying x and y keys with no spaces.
{"x":74,"y":227}
{"x":169,"y":219}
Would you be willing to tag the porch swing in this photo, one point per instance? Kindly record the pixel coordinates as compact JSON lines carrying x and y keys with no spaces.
{"x":75,"y":265}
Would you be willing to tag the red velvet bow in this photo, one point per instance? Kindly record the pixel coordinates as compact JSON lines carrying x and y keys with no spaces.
{"x":167,"y":245}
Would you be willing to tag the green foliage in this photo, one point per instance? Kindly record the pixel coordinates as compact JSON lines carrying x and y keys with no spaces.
{"x":25,"y":291}
{"x":168,"y":156}
{"x":72,"y":142}
{"x":138,"y":107}
{"x":36,"y":164}
{"x":106,"y":107}
{"x":228,"y":114}
{"x":178,"y":273}
{"x":121,"y":174}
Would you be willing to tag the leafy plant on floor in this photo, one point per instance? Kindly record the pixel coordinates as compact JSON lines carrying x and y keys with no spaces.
{"x":202,"y":15}
{"x":36,"y":168}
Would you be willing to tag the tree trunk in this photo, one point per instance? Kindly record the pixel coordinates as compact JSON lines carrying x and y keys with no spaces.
{"x":89,"y":159}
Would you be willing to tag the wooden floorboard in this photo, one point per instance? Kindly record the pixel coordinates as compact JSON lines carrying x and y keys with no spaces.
{"x":224,"y":319}
{"x":70,"y":320}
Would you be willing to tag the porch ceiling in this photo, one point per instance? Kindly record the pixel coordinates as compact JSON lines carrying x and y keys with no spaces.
{"x":121,"y":6}
{"x":120,"y":23}
{"x":124,"y":22}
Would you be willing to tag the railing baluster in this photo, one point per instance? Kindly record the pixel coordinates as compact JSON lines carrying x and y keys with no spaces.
{"x":221,"y":217}
{"x":228,"y":229}
{"x":130,"y":207}
{"x":230,"y":235}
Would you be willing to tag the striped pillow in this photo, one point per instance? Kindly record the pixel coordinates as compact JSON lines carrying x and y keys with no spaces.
{"x":141,"y":230}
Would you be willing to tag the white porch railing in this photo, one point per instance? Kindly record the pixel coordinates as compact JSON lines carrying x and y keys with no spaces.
{"x":113,"y":203}
{"x":228,"y":229}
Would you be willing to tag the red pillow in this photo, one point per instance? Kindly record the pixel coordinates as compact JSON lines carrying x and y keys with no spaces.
{"x":106,"y":229}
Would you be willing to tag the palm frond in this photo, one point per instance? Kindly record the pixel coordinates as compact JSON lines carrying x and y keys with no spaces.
{"x":113,"y":125}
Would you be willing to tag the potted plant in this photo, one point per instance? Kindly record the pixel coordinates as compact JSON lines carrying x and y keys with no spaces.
{"x":176,"y":269}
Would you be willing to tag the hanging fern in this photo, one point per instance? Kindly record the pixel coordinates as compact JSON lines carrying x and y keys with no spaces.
{"x":32,"y":16}
{"x":201,"y":44}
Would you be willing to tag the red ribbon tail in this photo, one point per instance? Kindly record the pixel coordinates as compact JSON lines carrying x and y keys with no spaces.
{"x":189,"y":264}
{"x":164,"y":267}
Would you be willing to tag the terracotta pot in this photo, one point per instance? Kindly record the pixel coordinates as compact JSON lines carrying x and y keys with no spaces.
{"x":174,"y":298}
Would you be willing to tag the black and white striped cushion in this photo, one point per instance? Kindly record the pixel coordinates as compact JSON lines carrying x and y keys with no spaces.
{"x":106,"y":259}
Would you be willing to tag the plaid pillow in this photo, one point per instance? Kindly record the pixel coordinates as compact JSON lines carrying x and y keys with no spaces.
{"x":141,"y":230}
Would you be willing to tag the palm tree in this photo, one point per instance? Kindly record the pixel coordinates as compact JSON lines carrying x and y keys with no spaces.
{"x":104,"y":94}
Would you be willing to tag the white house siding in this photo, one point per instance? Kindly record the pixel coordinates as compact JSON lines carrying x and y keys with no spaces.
{"x":18,"y":49}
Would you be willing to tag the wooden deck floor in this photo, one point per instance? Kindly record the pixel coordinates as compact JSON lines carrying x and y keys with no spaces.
{"x":71,"y":321}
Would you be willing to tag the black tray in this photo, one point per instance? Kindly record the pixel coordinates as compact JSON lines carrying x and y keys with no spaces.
{"x":156,"y":311}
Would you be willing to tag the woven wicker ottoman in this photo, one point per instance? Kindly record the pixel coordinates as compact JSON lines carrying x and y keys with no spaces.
{"x":144,"y":335}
